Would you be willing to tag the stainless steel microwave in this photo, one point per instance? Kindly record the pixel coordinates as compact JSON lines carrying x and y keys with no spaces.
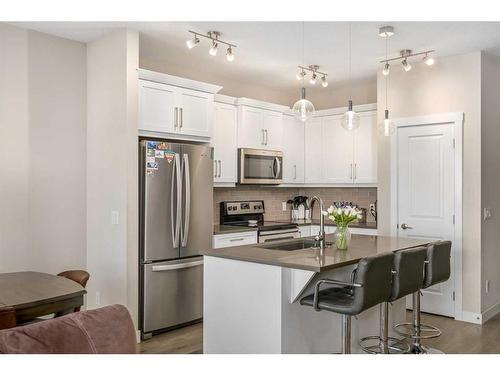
{"x":260,"y":167}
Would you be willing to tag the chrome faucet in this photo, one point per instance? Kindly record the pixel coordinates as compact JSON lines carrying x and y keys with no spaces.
{"x":321,"y":235}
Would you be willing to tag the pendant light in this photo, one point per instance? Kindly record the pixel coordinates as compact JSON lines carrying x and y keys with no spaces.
{"x":387,"y":125}
{"x":303,"y":109}
{"x":350,"y":120}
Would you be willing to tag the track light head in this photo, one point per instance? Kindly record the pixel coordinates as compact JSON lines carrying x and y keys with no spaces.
{"x":191,"y":43}
{"x":312,"y":81}
{"x":324,"y":82}
{"x":406,"y":65}
{"x":213,"y":50}
{"x":300,"y":74}
{"x":428,"y":60}
{"x":229,"y":54}
{"x":386,"y":69}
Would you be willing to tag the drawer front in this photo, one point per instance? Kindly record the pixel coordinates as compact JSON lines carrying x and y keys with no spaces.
{"x":234,"y":239}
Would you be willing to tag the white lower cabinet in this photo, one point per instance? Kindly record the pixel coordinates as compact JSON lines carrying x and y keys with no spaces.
{"x":305,"y":230}
{"x":234,"y":239}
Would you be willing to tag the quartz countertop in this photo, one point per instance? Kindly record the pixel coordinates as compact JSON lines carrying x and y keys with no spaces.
{"x":309,"y":259}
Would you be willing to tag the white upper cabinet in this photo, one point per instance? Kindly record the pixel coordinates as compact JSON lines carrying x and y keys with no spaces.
{"x":365,"y":149}
{"x":175,"y":107}
{"x":334,"y":155}
{"x":260,"y":124}
{"x":157,"y":107}
{"x":293,"y":150}
{"x":195,"y":112}
{"x":338,"y":151}
{"x":225,"y":143}
{"x":314,"y":151}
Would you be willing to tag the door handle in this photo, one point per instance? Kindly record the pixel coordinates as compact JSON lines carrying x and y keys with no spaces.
{"x":185,"y":231}
{"x":180,"y":117}
{"x":175,"y":178}
{"x":405,"y":226}
{"x":178,"y":266}
{"x":220,"y":168}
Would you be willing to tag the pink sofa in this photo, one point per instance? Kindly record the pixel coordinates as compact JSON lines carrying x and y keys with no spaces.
{"x":102,"y":331}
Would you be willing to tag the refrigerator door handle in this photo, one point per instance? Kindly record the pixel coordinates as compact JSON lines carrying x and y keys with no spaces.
{"x":175,"y":178}
{"x":185,"y":232}
{"x":177,"y":266}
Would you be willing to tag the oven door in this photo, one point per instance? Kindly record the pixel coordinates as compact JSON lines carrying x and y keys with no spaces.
{"x":260,"y":166}
{"x":278,"y":235}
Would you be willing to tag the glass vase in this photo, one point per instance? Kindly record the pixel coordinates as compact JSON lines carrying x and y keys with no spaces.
{"x":342,"y":237}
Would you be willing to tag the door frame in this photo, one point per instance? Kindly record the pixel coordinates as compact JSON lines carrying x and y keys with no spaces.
{"x":457,"y":119}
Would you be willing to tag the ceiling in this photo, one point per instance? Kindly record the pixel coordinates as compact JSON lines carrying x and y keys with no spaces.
{"x":268,"y":52}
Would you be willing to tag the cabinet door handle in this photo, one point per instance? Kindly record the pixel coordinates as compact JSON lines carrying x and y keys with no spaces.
{"x":176,"y":117}
{"x":355,"y":171}
{"x":220,"y":167}
{"x":180,"y":117}
{"x":236,"y":239}
{"x":262,"y":137}
{"x":266,"y":136}
{"x":215,"y":168}
{"x":351,"y":170}
{"x":295,"y":172}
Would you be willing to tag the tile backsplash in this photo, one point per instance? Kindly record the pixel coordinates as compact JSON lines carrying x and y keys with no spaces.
{"x":273,"y":196}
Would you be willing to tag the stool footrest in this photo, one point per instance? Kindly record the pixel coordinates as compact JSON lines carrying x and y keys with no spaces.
{"x":409,"y":330}
{"x":394,"y":345}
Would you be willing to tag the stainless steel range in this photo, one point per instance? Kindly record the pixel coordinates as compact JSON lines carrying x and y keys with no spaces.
{"x":251,"y":214}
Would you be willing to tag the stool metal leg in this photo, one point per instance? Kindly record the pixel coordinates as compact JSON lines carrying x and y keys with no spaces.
{"x":383,"y":343}
{"x":346,"y":334}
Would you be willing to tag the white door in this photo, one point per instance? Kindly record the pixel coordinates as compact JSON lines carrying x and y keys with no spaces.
{"x":156,"y":107}
{"x":224,"y":142}
{"x":250,"y":128}
{"x":195,"y":112}
{"x":314,"y":151}
{"x":425,"y":196}
{"x":293,"y":150}
{"x":272,"y":123}
{"x":365,"y":149}
{"x":338,"y":151}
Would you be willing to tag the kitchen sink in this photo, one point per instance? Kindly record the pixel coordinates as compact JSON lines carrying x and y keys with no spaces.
{"x":301,"y":244}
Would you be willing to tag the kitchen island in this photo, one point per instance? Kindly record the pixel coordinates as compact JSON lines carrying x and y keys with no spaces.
{"x":252,"y":293}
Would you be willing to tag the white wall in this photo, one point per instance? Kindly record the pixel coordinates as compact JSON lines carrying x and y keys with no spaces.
{"x":453,"y":84}
{"x":42,"y":143}
{"x":112,"y":63}
{"x":490,"y":178}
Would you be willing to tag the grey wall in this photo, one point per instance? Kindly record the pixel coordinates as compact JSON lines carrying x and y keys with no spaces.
{"x":42,"y":143}
{"x":490,"y":178}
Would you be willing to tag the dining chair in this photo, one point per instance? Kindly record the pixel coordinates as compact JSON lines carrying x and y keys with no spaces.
{"x":79,"y":276}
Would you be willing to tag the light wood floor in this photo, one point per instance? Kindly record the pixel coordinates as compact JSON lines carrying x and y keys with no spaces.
{"x":457,"y":338}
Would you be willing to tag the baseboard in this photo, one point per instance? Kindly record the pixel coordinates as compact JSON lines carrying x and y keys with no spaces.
{"x":471,"y":317}
{"x":491,"y":312}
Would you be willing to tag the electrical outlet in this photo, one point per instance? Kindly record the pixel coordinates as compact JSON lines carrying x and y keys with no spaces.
{"x":97,"y":298}
{"x":486,"y":213}
{"x":283,"y":206}
{"x":487,"y":286}
{"x":372,"y":206}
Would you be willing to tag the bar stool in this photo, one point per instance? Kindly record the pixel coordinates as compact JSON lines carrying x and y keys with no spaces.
{"x":408,"y":277}
{"x":437,"y":270}
{"x":370,"y":285}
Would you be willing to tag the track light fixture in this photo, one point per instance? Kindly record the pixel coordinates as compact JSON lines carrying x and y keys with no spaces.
{"x":386,"y":69}
{"x":214,"y":37}
{"x":429,"y":61}
{"x":314,"y":76}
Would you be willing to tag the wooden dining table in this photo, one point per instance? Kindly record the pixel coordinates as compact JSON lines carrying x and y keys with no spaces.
{"x":35,"y":294}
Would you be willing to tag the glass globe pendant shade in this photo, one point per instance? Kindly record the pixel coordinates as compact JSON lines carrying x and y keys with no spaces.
{"x":350,"y":120}
{"x":303,"y":109}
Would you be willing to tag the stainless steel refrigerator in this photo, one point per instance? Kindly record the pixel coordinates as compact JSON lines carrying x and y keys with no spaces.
{"x":175,"y":225}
